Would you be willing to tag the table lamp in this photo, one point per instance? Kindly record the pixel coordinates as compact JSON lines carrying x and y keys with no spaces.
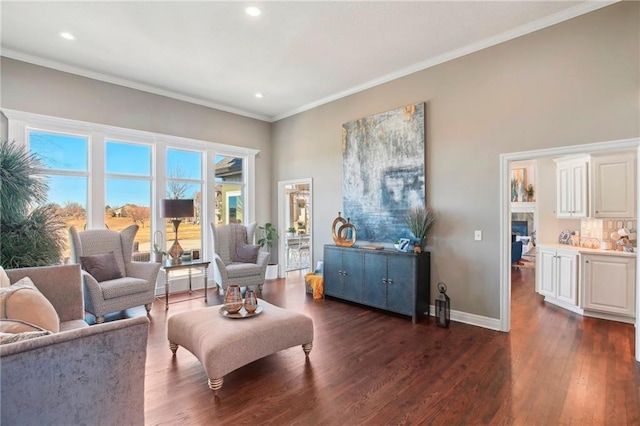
{"x":176,"y":210}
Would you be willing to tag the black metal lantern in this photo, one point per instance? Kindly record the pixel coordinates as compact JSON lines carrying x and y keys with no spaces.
{"x":443,"y":306}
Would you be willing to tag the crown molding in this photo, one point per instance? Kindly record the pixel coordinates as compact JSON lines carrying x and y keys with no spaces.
{"x":59,"y":66}
{"x":581,"y":9}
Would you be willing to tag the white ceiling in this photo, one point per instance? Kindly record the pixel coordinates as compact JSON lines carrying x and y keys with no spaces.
{"x":298,"y":54}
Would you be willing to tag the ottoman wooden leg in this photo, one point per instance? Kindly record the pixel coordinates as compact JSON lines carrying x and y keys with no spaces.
{"x":307,"y":348}
{"x":173,"y":347}
{"x":215,"y":384}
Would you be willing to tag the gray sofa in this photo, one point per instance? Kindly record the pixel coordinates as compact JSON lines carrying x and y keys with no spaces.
{"x":81,"y":375}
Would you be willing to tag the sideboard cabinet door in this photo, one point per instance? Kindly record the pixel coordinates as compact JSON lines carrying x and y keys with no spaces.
{"x":343,"y":273}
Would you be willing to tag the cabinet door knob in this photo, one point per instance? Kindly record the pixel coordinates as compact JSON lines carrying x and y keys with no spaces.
{"x":389,"y":281}
{"x":586,"y":261}
{"x":384,"y":280}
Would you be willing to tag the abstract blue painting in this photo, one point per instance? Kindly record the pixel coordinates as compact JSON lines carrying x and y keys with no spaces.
{"x":383,"y":172}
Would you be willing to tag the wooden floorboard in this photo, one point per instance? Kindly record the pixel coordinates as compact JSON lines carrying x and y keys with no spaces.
{"x":371,"y":367}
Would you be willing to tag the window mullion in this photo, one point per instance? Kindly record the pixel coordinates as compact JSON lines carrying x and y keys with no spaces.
{"x":97,"y":181}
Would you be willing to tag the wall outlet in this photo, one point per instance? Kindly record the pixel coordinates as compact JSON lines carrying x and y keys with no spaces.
{"x":477,"y":236}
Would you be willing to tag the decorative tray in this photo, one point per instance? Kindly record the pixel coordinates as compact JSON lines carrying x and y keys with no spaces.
{"x":242,"y":313}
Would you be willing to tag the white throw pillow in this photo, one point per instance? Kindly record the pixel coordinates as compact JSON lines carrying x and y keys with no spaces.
{"x":23,"y":301}
{"x":4,"y":278}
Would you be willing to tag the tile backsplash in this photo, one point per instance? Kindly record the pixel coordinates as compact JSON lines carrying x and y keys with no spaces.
{"x":595,"y":231}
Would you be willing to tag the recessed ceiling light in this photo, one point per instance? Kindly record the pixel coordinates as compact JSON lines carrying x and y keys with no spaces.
{"x":67,"y":36}
{"x":258,"y":95}
{"x":252,"y":11}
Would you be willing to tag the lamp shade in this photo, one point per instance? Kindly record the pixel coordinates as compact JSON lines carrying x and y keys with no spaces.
{"x":176,"y":208}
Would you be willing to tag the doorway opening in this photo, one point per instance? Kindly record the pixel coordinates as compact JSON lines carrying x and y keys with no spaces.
{"x":296,"y":227}
{"x":506,"y":211}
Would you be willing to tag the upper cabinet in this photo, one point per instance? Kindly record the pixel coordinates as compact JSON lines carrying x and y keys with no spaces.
{"x":572,"y":187}
{"x":600,"y":186}
{"x":614,"y":189}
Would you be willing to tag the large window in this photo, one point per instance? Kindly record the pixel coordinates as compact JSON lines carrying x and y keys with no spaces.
{"x":229,"y":198}
{"x":128,"y":190}
{"x":65,"y":159}
{"x":108,"y":177}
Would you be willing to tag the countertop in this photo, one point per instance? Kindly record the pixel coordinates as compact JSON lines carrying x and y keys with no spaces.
{"x":585,"y":250}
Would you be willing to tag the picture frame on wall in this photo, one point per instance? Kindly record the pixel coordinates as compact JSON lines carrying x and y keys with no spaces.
{"x":518,"y":185}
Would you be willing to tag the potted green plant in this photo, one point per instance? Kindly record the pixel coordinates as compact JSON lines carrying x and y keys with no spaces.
{"x":530,"y":192}
{"x":269,"y":235}
{"x":291,"y":231}
{"x":419,"y":220}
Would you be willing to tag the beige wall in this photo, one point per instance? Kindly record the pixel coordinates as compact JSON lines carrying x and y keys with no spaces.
{"x":31,"y":88}
{"x":574,"y":83}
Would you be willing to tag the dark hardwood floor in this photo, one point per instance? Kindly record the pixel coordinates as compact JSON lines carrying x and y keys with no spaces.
{"x":371,"y":367}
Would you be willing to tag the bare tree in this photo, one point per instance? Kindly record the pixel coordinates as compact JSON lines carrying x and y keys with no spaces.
{"x":140,"y":214}
{"x":176,"y":190}
{"x":73,"y":208}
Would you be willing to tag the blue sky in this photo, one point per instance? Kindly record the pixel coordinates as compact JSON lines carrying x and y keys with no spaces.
{"x":69,"y":154}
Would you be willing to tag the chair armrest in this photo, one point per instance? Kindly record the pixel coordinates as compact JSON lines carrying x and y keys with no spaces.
{"x":222,"y":268}
{"x":60,"y":284}
{"x":263,"y":258}
{"x":144,"y":270}
{"x":92,"y":291}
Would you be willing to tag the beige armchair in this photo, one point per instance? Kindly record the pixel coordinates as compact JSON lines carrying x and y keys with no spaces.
{"x":138,"y":279}
{"x":226,"y":241}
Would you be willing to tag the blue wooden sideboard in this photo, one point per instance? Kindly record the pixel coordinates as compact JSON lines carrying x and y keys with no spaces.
{"x":384,"y":279}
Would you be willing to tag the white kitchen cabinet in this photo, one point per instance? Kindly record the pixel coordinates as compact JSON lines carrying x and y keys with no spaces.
{"x":614,"y":189}
{"x":572,"y":187}
{"x":558,"y":277}
{"x":609,"y":284}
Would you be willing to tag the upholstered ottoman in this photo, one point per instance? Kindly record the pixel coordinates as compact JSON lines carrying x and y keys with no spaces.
{"x":224,"y":344}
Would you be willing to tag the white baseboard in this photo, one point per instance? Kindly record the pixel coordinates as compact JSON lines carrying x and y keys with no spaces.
{"x":471,"y":319}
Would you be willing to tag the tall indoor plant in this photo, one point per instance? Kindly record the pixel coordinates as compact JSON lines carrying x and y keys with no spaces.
{"x":31,"y":232}
{"x":269,"y":235}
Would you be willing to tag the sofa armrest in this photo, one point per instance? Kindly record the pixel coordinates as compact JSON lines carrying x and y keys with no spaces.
{"x":60,"y":284}
{"x":516,"y":251}
{"x":62,"y":378}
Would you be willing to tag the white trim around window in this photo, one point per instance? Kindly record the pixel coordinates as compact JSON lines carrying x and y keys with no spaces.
{"x":98,"y":134}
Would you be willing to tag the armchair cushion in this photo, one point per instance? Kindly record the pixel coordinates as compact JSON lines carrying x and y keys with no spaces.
{"x":122,"y":287}
{"x":240,"y":270}
{"x":246,"y":253}
{"x":23,"y":301}
{"x":102,"y":267}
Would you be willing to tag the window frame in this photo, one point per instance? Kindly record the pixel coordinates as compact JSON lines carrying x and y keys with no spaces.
{"x":20,"y":122}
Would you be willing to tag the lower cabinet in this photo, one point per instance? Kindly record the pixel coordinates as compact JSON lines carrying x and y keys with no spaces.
{"x":343,"y":274}
{"x":608,"y":284}
{"x":558,"y":277}
{"x":385,"y":279}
